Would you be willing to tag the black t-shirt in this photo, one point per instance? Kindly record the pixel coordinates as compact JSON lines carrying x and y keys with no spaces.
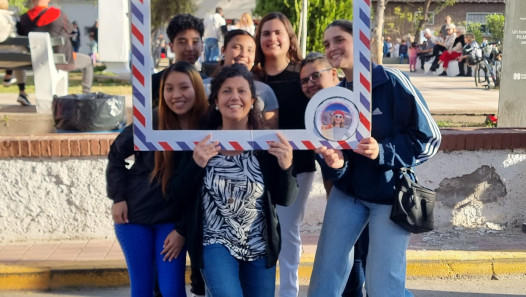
{"x":292,"y":105}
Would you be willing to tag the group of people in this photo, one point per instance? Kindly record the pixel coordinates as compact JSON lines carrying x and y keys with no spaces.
{"x":43,"y":18}
{"x":238,"y":213}
{"x":453,"y":43}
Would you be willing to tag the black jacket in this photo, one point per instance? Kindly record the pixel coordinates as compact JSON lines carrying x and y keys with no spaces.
{"x":145,"y":201}
{"x":280,"y":188}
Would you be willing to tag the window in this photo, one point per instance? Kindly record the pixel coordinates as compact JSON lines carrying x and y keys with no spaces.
{"x":430,"y":16}
{"x":480,"y":18}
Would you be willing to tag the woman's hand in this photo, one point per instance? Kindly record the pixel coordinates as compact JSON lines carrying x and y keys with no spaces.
{"x":333,"y":158}
{"x":205,"y":150}
{"x":282,"y":150}
{"x":119,"y":212}
{"x":173,"y":244}
{"x":368,"y":147}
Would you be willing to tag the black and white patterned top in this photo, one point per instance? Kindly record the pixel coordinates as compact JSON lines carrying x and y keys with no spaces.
{"x":232,"y":192}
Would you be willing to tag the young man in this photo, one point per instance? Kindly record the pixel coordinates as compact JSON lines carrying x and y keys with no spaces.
{"x":185,"y":33}
{"x":42,"y":18}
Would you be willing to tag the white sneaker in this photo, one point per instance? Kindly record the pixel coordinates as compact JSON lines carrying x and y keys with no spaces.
{"x":22,"y":99}
{"x":9,"y":82}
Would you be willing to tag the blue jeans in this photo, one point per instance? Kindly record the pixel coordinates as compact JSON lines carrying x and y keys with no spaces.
{"x":211,"y":50}
{"x":226,"y":276}
{"x":402,"y":56}
{"x":345,"y":218}
{"x":142,"y":246}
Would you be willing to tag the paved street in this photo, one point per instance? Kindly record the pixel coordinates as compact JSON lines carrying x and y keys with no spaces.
{"x":419,"y":287}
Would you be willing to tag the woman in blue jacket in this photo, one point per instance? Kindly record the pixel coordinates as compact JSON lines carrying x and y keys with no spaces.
{"x":145,"y":219}
{"x":403,"y":135}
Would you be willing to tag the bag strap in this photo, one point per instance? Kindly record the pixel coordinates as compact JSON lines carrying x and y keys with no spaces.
{"x":407,"y":171}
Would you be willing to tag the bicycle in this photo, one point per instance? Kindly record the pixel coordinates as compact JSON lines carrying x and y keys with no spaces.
{"x":491,"y":65}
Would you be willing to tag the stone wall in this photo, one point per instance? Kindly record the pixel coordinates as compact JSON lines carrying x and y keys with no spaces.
{"x":53,"y":187}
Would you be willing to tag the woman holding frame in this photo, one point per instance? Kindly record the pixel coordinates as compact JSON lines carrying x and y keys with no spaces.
{"x":403,"y":135}
{"x":231,"y":225}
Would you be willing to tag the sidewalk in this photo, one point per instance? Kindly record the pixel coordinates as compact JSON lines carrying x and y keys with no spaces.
{"x":461,"y":253}
{"x":100,"y":263}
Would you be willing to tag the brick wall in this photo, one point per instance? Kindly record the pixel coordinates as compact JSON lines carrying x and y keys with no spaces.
{"x":56,"y":145}
{"x":83,"y":145}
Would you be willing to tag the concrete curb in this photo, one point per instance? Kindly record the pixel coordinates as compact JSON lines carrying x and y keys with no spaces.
{"x":420,"y":264}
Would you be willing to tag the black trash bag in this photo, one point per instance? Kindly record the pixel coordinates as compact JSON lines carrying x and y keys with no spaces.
{"x":89,"y":112}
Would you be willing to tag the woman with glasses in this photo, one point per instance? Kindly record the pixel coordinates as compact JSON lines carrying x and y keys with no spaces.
{"x":277,"y":64}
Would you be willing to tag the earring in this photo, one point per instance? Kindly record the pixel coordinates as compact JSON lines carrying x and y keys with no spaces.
{"x":217,"y":108}
{"x":252,"y":106}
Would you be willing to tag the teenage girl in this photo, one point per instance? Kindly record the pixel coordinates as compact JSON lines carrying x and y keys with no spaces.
{"x":144,"y":218}
{"x":240,"y":48}
{"x":278,"y":64}
{"x":404,"y":134}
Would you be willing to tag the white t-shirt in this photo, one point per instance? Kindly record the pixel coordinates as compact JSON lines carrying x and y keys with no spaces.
{"x":213,"y":25}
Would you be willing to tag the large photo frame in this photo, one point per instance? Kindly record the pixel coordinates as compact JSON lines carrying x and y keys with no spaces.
{"x":355,"y":105}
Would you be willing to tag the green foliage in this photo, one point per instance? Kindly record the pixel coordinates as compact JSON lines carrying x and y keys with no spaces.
{"x":320,"y":14}
{"x":476,"y":29}
{"x":162,"y":11}
{"x":495,"y":23}
{"x":21,"y":5}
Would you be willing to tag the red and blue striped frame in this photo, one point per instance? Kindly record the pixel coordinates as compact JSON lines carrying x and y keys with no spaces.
{"x":148,"y":139}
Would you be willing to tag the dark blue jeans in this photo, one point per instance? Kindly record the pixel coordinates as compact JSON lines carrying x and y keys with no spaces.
{"x":226,"y":276}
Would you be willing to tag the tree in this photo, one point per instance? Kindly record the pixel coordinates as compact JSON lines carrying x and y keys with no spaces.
{"x":320,"y":14}
{"x":21,"y":6}
{"x":162,"y":11}
{"x":495,"y":24}
{"x":377,"y":33}
{"x":424,"y":16}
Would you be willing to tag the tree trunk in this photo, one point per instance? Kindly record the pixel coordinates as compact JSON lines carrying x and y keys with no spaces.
{"x":422,"y":22}
{"x":377,"y":36}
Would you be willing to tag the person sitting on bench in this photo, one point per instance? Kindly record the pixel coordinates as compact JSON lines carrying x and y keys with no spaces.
{"x":42,"y":18}
{"x":7,"y":29}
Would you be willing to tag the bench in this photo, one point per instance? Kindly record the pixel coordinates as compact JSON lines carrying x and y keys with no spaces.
{"x":49,"y":80}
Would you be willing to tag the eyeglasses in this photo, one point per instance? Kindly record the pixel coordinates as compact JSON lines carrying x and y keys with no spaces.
{"x":314,"y":77}
{"x":338,"y":116}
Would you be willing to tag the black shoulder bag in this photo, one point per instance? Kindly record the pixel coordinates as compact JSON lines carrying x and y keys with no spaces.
{"x":413,"y":204}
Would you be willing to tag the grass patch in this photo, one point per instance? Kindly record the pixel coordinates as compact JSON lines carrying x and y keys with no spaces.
{"x":451,"y":124}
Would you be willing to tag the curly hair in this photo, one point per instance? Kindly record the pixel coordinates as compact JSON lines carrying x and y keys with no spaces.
{"x":182,"y":22}
{"x":214,"y":118}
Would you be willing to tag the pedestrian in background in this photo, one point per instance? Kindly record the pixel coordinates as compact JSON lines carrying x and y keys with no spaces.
{"x":75,"y":37}
{"x":213,"y":34}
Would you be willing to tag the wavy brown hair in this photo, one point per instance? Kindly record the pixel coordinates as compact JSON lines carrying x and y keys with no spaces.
{"x":293,"y":53}
{"x":168,"y":120}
